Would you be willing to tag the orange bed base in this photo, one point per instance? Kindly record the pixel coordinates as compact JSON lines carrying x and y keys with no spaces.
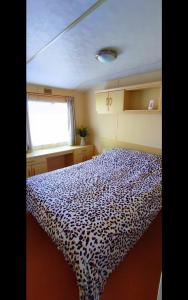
{"x":49,"y":277}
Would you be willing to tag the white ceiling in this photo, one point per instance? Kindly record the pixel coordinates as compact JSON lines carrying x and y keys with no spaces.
{"x":133,"y":27}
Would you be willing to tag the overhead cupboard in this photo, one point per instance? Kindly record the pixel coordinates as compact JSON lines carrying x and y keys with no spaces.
{"x":110,"y":102}
{"x":145,"y":97}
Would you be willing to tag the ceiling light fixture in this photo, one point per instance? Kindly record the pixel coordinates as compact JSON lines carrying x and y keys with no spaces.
{"x":106,"y":55}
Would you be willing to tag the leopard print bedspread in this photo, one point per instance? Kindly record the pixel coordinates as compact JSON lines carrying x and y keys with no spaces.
{"x":97,"y":210}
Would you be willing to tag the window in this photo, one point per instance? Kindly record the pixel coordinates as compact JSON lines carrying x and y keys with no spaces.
{"x":48,"y":122}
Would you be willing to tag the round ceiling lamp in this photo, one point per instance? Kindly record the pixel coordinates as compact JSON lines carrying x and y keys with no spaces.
{"x":106,"y":55}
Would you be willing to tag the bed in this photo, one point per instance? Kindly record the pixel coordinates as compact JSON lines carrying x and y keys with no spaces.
{"x":97,"y":210}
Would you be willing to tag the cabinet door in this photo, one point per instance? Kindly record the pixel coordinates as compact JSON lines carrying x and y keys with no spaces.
{"x":77,"y":157}
{"x":31,"y":170}
{"x":102,"y":103}
{"x":40,"y":168}
{"x":110,"y":102}
{"x":28,"y":171}
{"x":116,"y":101}
{"x":36,"y":166}
{"x":89,"y":152}
{"x":80,"y":155}
{"x":83,"y":154}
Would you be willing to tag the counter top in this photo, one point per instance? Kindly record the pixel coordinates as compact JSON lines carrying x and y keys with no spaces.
{"x":54,"y":151}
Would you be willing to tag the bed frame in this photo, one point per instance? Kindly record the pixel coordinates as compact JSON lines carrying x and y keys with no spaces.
{"x":49,"y":277}
{"x":107,"y":144}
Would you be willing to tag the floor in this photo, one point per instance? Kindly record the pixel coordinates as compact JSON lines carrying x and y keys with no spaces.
{"x":49,"y":277}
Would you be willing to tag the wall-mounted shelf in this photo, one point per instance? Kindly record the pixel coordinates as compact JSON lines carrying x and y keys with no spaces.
{"x":130,"y":99}
{"x":139,"y":99}
{"x":153,"y":111}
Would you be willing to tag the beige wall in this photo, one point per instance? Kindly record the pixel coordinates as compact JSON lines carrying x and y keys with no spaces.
{"x":79,"y":100}
{"x":133,"y":128}
{"x":136,"y":128}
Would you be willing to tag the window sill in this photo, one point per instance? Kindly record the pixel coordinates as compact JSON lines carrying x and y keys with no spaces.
{"x":49,"y":146}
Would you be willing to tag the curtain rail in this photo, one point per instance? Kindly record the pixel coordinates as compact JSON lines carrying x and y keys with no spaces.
{"x":46,"y":95}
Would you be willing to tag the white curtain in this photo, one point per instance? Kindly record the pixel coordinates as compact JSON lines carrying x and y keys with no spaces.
{"x":71,"y":121}
{"x":28,"y":134}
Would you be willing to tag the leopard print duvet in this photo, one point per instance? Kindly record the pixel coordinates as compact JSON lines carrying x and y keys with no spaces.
{"x":97,"y":210}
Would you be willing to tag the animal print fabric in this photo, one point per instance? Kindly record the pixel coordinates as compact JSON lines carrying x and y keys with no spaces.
{"x":97,"y":210}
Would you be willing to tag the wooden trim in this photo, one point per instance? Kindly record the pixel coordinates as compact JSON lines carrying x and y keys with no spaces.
{"x":133,"y":87}
{"x":152,"y":111}
{"x":43,"y":96}
{"x":108,"y":144}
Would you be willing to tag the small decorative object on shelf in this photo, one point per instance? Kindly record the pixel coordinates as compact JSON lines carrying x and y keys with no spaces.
{"x":82,"y":132}
{"x":151,"y":105}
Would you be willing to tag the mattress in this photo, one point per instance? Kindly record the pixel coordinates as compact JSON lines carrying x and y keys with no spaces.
{"x":97,"y":210}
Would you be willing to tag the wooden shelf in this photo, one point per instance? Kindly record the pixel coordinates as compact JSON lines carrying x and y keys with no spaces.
{"x":139,"y":99}
{"x":153,"y":111}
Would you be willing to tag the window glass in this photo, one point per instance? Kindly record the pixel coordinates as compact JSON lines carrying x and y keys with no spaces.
{"x":48,"y":122}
